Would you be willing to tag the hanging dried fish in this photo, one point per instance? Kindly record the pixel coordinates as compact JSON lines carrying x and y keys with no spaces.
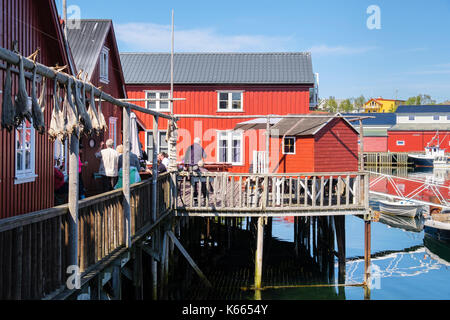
{"x":8,"y":112}
{"x":101,"y":117}
{"x":22,"y":102}
{"x":37,"y":109}
{"x":82,"y":112}
{"x":70,"y":111}
{"x":57,"y":126}
{"x":93,"y":115}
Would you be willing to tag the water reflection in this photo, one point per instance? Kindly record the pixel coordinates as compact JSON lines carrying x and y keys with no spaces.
{"x":404,"y":223}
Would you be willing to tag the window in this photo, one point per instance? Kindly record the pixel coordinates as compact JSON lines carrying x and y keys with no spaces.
{"x":158,"y":105}
{"x":448,"y":117}
{"x":400,"y":142}
{"x":60,"y":154}
{"x":162,"y":146}
{"x":436,"y":117}
{"x":230,"y":101}
{"x":104,"y":57}
{"x":412,"y":118}
{"x":25,"y":153}
{"x":113,"y":130}
{"x":289,"y":145}
{"x":229,"y":147}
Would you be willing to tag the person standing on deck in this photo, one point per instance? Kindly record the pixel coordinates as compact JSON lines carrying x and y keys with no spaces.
{"x":194,"y":154}
{"x":109,"y":163}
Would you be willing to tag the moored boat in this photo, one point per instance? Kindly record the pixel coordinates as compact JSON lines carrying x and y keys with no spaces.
{"x":402,"y":208}
{"x":438,"y":227}
{"x":427,"y":159}
{"x":441,"y":162}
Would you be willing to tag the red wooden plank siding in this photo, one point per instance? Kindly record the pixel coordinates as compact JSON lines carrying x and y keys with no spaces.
{"x":31,"y":23}
{"x":375,"y":144}
{"x":336,"y":148}
{"x":416,"y":141}
{"x":202,"y":99}
{"x":115,"y":89}
{"x":301,"y":161}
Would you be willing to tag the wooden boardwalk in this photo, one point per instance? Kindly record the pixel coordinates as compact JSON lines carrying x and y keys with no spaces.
{"x":301,"y":194}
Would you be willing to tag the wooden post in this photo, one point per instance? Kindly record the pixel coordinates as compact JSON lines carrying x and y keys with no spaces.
{"x":339,"y":222}
{"x":154,"y":263}
{"x":126,"y":177}
{"x":367,"y":243}
{"x":259,"y":253}
{"x":73,"y":199}
{"x":361,"y":145}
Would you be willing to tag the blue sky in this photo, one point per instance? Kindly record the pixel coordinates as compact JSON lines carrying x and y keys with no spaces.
{"x":408,"y":55}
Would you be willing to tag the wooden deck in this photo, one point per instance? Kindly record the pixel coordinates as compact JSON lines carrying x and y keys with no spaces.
{"x":216,"y":194}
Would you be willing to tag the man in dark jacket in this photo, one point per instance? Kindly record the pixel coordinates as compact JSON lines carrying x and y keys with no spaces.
{"x":194,"y":154}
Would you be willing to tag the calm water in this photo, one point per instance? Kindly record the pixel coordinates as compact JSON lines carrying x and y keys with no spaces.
{"x":402,"y":264}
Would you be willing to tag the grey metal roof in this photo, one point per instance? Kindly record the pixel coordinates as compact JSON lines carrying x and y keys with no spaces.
{"x":219,"y":68}
{"x":420,"y":127}
{"x":256,"y":124}
{"x":86,"y":42}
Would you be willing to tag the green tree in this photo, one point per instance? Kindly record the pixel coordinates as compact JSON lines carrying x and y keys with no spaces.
{"x":421,"y":99}
{"x":331,"y":105}
{"x":346,"y":106}
{"x":359,"y":102}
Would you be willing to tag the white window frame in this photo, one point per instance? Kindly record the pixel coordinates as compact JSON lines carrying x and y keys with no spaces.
{"x":438,"y":117}
{"x":295,"y":140}
{"x":157,"y":103}
{"x":25,"y":175}
{"x":400,"y":142}
{"x":150,"y":155}
{"x":104,"y":65}
{"x":411,"y":118}
{"x":230,"y":101}
{"x":230,"y":134}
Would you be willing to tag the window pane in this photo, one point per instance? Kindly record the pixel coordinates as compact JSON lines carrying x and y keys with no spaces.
{"x":151,"y":104}
{"x":164,"y":104}
{"x":223,"y":100}
{"x":27,"y":160}
{"x":19,"y":138}
{"x":162,"y":141}
{"x":223,"y":96}
{"x":19,"y":161}
{"x":223,"y":105}
{"x":223,"y":151}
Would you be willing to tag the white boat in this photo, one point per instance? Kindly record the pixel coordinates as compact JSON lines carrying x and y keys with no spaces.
{"x":427,"y":159}
{"x":401,"y":208}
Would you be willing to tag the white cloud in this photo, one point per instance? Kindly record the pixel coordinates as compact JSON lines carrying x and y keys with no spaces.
{"x":155,"y":37}
{"x":339,"y":50}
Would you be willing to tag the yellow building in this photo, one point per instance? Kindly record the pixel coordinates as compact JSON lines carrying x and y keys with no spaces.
{"x":381,"y":105}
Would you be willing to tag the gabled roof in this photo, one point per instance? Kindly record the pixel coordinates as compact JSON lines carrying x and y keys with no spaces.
{"x":433,"y":108}
{"x":304,"y":126}
{"x":87,"y":42}
{"x":381,"y":118}
{"x":219,"y":68}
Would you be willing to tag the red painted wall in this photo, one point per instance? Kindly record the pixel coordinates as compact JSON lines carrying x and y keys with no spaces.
{"x":375,"y":144}
{"x":336,"y":148}
{"x":302,"y":160}
{"x":202,"y":99}
{"x":416,"y":141}
{"x":115,"y":89}
{"x":33,"y":24}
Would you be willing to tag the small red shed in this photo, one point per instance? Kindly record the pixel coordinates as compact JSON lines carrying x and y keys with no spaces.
{"x":315,"y":144}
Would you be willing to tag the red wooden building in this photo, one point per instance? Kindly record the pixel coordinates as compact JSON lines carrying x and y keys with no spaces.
{"x":26,"y":168}
{"x":219,"y":84}
{"x":419,"y":126}
{"x":94,"y":49}
{"x":313,"y":144}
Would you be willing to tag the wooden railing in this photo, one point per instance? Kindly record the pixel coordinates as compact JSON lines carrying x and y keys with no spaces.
{"x":34,"y":247}
{"x":271,"y":192}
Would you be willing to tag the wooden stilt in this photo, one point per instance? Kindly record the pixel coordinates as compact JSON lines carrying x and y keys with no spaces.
{"x":339,"y":222}
{"x":367,"y":243}
{"x":259,"y":253}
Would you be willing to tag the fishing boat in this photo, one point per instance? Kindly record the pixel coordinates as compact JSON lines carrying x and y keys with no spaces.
{"x":427,"y":159}
{"x":438,"y":227}
{"x":433,"y":151}
{"x":403,"y":208}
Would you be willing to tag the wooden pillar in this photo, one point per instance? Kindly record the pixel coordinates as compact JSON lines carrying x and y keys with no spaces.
{"x":367,"y":245}
{"x":259,"y":252}
{"x":339,"y":222}
{"x":73,"y":199}
{"x":155,"y":234}
{"x":116,"y":281}
{"x":126,"y":178}
{"x":361,"y":145}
